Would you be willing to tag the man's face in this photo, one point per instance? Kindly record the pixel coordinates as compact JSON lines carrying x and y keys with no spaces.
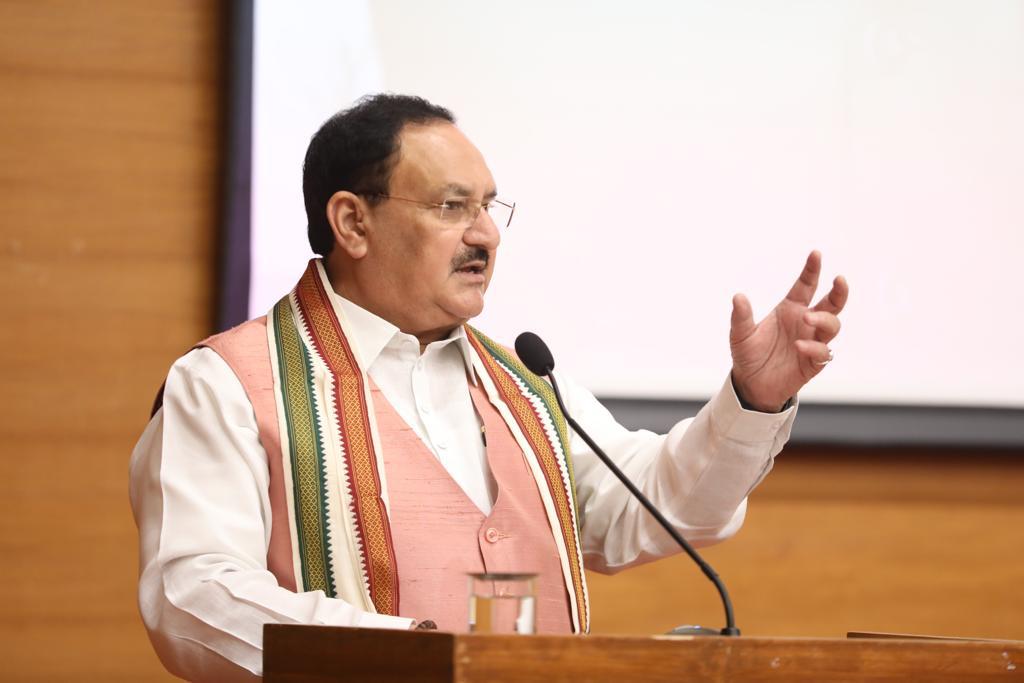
{"x":430,"y":275}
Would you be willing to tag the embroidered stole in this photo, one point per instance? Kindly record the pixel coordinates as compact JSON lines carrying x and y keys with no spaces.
{"x":335,"y":482}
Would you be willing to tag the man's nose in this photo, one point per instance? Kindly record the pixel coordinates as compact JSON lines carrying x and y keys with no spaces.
{"x":483,"y":232}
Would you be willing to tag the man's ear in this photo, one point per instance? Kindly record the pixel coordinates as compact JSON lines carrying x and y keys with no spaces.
{"x":346,"y":212}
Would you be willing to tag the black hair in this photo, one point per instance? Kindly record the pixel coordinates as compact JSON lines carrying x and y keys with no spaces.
{"x":356,"y":150}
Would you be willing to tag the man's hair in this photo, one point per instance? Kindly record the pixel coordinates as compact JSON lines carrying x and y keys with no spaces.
{"x":356,"y":150}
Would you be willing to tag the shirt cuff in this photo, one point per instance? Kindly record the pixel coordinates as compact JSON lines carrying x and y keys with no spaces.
{"x":372,"y":620}
{"x":736,"y":422}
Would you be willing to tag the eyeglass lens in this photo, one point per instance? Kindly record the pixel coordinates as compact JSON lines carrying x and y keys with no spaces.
{"x":465,"y":212}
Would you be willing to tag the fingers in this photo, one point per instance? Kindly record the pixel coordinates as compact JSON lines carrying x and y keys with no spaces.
{"x":835,"y":300}
{"x":826,"y":325}
{"x":803,"y":289}
{"x":815,"y":351}
{"x":742,"y":324}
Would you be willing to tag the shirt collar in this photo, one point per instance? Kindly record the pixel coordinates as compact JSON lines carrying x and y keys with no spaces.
{"x":372,"y":334}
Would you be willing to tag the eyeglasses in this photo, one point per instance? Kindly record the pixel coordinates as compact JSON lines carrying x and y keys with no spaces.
{"x":463,"y":212}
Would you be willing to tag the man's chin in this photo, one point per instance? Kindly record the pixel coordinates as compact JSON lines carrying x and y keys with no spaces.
{"x":466,"y":308}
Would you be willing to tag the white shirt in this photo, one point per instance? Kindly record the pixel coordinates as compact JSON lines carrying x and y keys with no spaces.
{"x":199,"y":484}
{"x":431,"y":393}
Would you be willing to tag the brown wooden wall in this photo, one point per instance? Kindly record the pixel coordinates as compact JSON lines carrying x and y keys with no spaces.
{"x":109,"y":153}
{"x":852,"y":540}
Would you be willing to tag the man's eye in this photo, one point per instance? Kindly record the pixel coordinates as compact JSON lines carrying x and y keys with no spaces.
{"x":454,"y":205}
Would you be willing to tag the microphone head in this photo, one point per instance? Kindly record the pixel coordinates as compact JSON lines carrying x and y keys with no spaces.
{"x":535,"y":354}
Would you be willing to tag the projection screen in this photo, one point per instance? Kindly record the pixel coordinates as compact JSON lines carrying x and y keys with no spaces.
{"x":666,"y":155}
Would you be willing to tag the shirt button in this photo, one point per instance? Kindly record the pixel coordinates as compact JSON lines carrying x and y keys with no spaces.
{"x":442,"y":445}
{"x":492,"y":535}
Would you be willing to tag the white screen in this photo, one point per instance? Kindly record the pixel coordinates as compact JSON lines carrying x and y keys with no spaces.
{"x":666,"y":155}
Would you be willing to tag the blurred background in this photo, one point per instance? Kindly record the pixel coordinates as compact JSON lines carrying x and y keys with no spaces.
{"x":120,"y":181}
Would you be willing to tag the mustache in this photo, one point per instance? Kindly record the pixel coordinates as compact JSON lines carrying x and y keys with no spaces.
{"x":472,"y":254}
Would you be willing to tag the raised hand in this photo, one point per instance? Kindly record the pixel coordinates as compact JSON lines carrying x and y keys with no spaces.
{"x":773,"y":359}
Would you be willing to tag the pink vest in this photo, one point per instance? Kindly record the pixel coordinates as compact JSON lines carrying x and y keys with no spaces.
{"x":439,"y":534}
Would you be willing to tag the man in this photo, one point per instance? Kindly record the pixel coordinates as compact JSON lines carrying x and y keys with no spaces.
{"x":350,"y":457}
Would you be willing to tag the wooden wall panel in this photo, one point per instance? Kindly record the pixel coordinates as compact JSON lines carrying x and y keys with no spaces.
{"x":839,"y":541}
{"x":109,"y":152}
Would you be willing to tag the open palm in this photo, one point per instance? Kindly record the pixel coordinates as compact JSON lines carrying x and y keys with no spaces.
{"x":773,"y":359}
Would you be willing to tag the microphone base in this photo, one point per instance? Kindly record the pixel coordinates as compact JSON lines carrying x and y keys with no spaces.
{"x":690,"y":631}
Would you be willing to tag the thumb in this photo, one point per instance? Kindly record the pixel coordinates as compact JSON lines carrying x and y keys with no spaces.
{"x":742,"y":323}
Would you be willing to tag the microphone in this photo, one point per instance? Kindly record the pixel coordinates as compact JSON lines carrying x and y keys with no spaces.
{"x":536,"y":356}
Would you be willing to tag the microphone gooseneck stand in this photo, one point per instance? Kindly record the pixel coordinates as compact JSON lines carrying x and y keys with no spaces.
{"x":535,"y":354}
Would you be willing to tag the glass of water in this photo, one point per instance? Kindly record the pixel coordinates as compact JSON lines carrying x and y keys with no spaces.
{"x":502,"y":603}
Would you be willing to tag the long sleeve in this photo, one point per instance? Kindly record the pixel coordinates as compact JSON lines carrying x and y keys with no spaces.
{"x":199,"y":490}
{"x":698,"y":475}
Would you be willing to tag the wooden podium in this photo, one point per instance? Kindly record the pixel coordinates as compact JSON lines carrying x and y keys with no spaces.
{"x":311,"y":654}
